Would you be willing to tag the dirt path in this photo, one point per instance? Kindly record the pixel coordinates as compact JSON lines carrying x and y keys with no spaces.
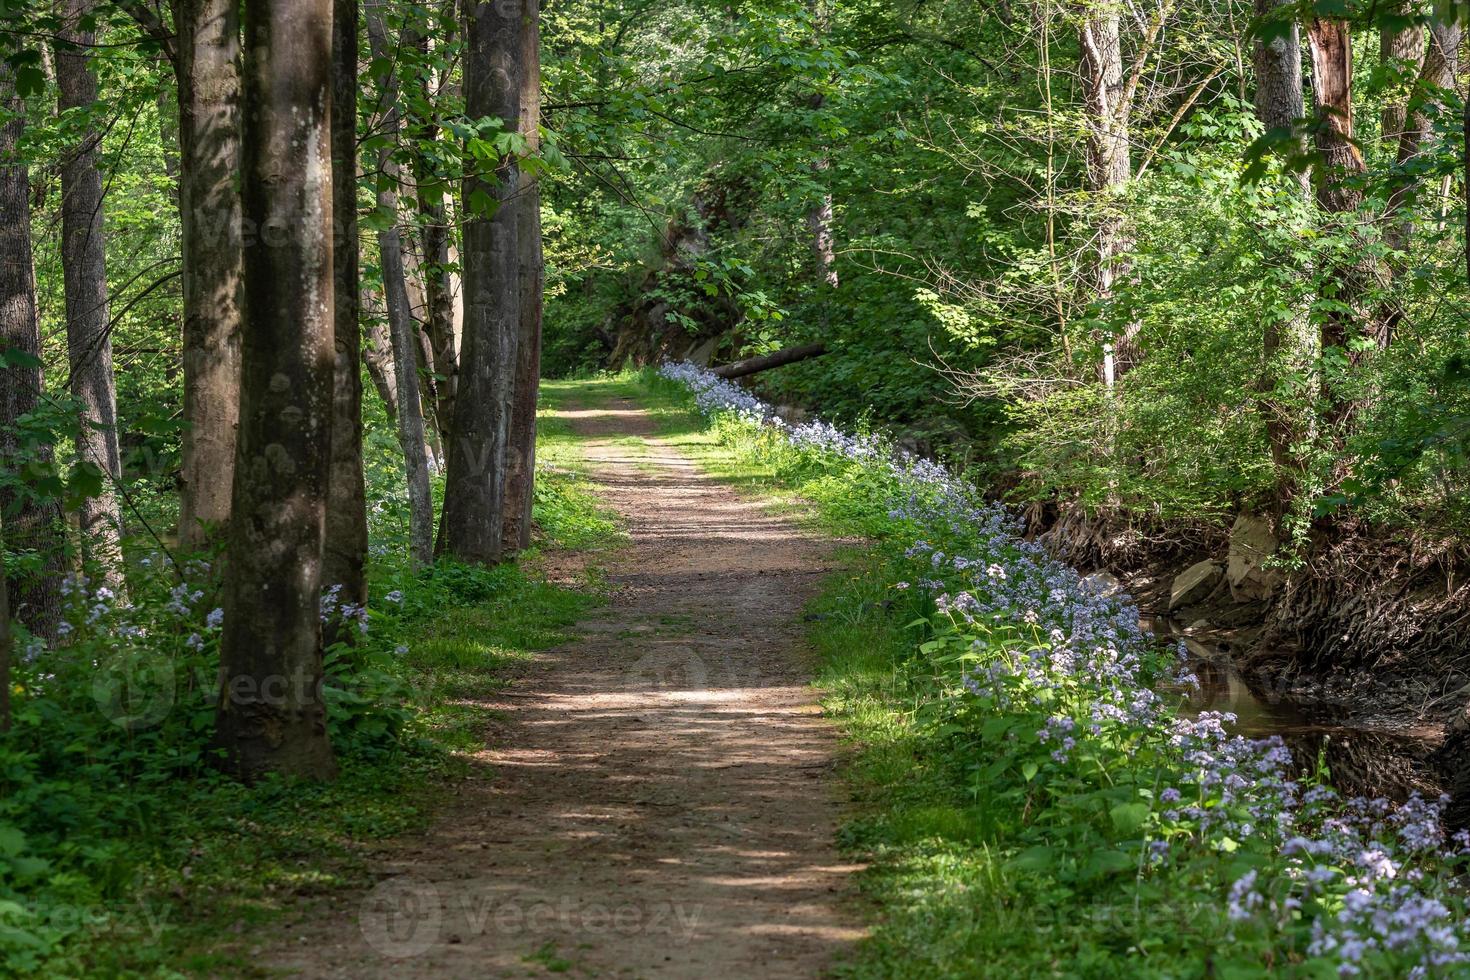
{"x":663,"y":801}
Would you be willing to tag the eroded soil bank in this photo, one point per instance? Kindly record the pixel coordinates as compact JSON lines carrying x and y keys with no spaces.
{"x":659,"y":796}
{"x":1360,"y":660}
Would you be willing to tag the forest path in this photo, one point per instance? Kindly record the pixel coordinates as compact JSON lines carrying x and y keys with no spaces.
{"x":662,"y":800}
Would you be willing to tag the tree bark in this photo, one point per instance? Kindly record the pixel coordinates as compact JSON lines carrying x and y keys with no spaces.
{"x":1279,"y":100}
{"x":1439,"y":65}
{"x":474,"y":490}
{"x":1338,"y":193}
{"x":344,"y":552}
{"x":434,"y":232}
{"x":33,"y":524}
{"x":401,"y":329}
{"x":1109,"y":166}
{"x":84,"y":271}
{"x":520,"y":469}
{"x":378,"y":355}
{"x":765,"y":362}
{"x":208,"y":73}
{"x":1290,"y":343}
{"x":423,"y":347}
{"x":819,"y":223}
{"x":271,"y":716}
{"x":1402,"y":49}
{"x":1332,"y":81}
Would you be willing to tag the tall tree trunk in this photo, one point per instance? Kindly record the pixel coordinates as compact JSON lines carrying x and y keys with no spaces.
{"x":1332,"y":81}
{"x":208,"y":72}
{"x":474,"y":488}
{"x":1402,"y":49}
{"x":377,"y":354}
{"x":445,"y":307}
{"x":1439,"y":65}
{"x":271,"y":716}
{"x":520,"y":469}
{"x":434,"y":232}
{"x":1109,"y":166}
{"x":1290,"y":343}
{"x":167,"y":101}
{"x":414,"y":274}
{"x":819,"y":224}
{"x":1338,"y":193}
{"x":344,"y":552}
{"x":84,"y":272}
{"x":400,"y":314}
{"x":32,"y":523}
{"x":819,"y":216}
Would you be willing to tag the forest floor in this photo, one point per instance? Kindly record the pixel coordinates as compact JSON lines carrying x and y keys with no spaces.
{"x":659,"y":797}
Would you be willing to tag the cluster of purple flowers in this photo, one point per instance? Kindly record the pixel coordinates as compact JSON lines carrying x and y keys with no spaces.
{"x":1054,"y":643}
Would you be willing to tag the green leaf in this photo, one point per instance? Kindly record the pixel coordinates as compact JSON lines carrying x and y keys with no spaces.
{"x":12,"y":840}
{"x":1128,"y":817}
{"x":1106,"y":863}
{"x":1038,"y":858}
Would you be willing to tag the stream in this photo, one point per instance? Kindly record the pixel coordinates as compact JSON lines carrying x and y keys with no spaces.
{"x":1362,"y":755}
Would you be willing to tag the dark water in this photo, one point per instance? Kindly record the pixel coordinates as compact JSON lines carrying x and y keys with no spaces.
{"x":1359,"y":756}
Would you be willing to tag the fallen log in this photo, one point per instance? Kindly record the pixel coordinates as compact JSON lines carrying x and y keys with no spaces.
{"x":765,"y":362}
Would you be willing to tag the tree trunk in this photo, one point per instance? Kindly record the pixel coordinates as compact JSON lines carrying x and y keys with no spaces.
{"x":401,"y":327}
{"x":520,"y":469}
{"x":434,"y":233}
{"x":168,"y":131}
{"x":378,"y":355}
{"x":819,"y":223}
{"x":1332,"y":81}
{"x":1109,"y":167}
{"x":1337,"y":191}
{"x":32,"y":523}
{"x":1280,"y":102}
{"x":344,"y":552}
{"x":753,"y":365}
{"x":271,"y":716}
{"x":208,"y":72}
{"x":1439,"y":65}
{"x":84,"y":271}
{"x":1290,"y":343}
{"x":1402,"y":49}
{"x":474,"y":488}
{"x":423,"y":347}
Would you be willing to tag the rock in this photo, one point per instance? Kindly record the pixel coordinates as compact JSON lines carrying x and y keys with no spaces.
{"x":1201,"y":626}
{"x":1102,"y":583}
{"x":1194,"y":584}
{"x":704,"y":351}
{"x":1252,"y":541}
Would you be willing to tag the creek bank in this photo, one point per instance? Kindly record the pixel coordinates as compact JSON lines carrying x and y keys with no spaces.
{"x":1359,"y":659}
